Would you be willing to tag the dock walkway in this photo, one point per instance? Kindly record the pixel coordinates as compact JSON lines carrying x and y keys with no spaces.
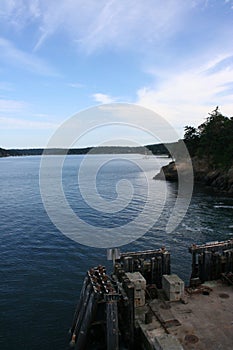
{"x":201,"y":321}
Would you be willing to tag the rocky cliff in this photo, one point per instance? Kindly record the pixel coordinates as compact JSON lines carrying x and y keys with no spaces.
{"x":204,"y":172}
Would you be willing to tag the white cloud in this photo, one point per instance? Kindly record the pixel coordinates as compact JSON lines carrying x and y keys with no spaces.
{"x":75,"y":85}
{"x":186,"y":98}
{"x":140,"y":25}
{"x":17,"y":57}
{"x":8,"y":123}
{"x":103,"y":98}
{"x":18,"y":13}
{"x":43,"y":116}
{"x":229,"y":2}
{"x":12,"y":106}
{"x":11,"y":112}
{"x":94,"y":24}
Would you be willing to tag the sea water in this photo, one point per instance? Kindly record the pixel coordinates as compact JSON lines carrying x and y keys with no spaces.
{"x":42,"y":270}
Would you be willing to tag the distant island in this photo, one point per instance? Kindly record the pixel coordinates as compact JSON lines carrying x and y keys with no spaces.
{"x":210,"y":146}
{"x":156,"y":149}
{"x":4,"y":153}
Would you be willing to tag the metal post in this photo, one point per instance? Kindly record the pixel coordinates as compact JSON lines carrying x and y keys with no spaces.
{"x":153,"y":270}
{"x":80,"y":304}
{"x":201,"y":267}
{"x":131,"y":314}
{"x":159,"y":272}
{"x":128,"y":264}
{"x":166,"y":263}
{"x":194,"y":266}
{"x":112,"y":325}
{"x":86,"y":322}
{"x":82,"y":310}
{"x":207,"y":265}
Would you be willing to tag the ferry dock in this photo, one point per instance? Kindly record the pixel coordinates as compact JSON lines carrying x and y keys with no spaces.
{"x":141,"y":305}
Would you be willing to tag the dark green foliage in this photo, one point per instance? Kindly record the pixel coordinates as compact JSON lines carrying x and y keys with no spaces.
{"x":158,"y":149}
{"x":3,"y":153}
{"x":191,"y":138}
{"x":213,"y":139}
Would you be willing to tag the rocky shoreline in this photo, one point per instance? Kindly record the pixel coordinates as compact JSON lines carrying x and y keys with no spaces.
{"x":204,"y":173}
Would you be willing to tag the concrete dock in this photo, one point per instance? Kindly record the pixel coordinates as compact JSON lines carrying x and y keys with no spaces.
{"x":202,"y":320}
{"x":142,"y":306}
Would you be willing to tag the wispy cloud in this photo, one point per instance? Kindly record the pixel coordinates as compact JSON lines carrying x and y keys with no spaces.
{"x":8,"y":123}
{"x":19,"y":13}
{"x":11,"y":112}
{"x":229,"y":2}
{"x":42,"y":115}
{"x":21,"y":59}
{"x":137,"y":24}
{"x":167,"y":33}
{"x":97,"y":24}
{"x":103,"y":98}
{"x":12,"y":106}
{"x":5,"y":86}
{"x":75,"y":85}
{"x":188,"y":96}
{"x":94,"y":24}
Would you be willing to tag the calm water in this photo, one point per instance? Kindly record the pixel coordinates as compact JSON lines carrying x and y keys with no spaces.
{"x":42,"y":270}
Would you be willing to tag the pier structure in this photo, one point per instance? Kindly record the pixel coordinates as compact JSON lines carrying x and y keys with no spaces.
{"x":211,"y":261}
{"x":97,"y":312}
{"x":107,"y":304}
{"x":152,"y":264}
{"x":142,"y":306}
{"x":139,"y":274}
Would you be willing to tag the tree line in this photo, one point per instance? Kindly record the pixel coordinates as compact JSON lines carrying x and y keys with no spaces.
{"x":213,"y":140}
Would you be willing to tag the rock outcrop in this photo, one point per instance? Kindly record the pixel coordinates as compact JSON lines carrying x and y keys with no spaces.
{"x":219,"y":179}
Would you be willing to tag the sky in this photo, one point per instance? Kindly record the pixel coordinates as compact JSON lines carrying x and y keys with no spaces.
{"x":60,"y":57}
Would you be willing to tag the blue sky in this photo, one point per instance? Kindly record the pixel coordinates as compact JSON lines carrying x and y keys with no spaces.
{"x":60,"y":57}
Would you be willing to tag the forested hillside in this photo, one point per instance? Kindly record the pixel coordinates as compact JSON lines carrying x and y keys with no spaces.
{"x":211,"y":148}
{"x":212,"y":140}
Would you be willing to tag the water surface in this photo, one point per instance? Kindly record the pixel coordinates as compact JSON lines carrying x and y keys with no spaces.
{"x":42,"y":270}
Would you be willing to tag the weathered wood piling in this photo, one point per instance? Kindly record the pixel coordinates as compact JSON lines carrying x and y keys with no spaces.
{"x":107,"y":314}
{"x":110,"y":301}
{"x":211,"y":260}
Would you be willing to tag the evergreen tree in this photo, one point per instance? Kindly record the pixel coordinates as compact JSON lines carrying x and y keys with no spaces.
{"x":212,"y":139}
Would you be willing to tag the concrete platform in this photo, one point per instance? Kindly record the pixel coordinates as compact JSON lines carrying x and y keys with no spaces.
{"x":200,"y":322}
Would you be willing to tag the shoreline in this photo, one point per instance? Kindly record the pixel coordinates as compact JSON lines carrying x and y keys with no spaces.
{"x":217,"y":179}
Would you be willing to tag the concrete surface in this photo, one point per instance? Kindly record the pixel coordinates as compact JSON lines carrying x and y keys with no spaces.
{"x":200,"y":322}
